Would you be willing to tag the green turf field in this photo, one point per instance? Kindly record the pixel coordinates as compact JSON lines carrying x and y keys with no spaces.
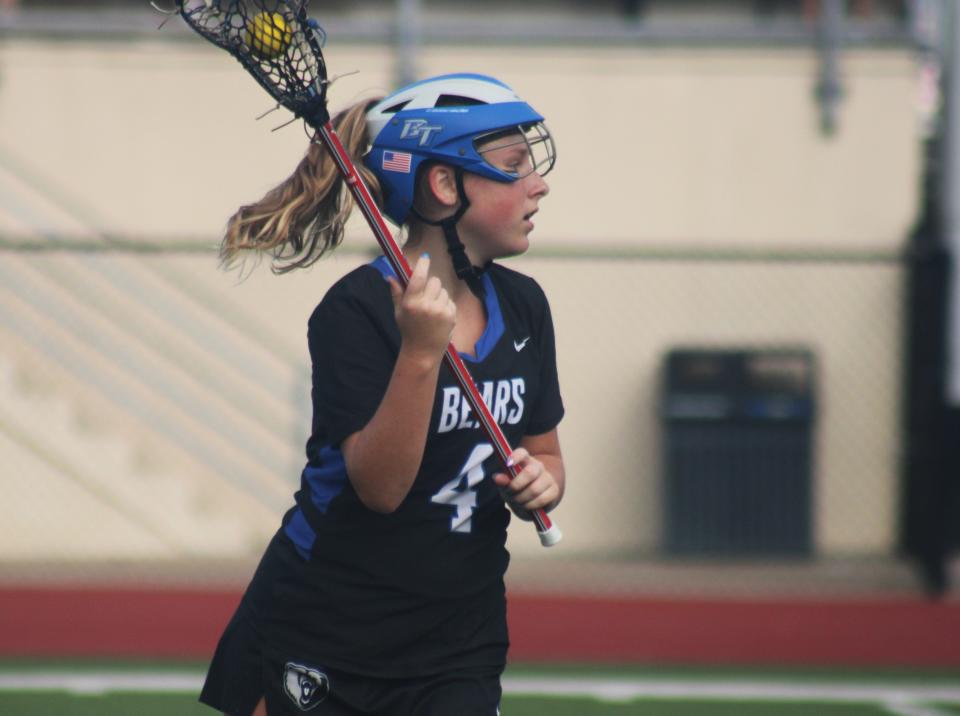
{"x":112,"y":689}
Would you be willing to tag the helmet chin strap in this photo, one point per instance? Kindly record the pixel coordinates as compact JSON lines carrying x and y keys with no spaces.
{"x":465,"y":270}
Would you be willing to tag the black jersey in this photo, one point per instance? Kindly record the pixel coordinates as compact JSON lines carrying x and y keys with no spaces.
{"x":423,"y":584}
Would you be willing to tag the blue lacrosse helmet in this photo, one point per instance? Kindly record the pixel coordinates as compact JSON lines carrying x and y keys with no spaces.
{"x":446,"y":119}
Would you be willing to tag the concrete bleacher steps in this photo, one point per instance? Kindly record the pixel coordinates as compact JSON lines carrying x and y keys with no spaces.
{"x":82,"y":331}
{"x":120,"y":383}
{"x":74,"y":492}
{"x":27,"y":212}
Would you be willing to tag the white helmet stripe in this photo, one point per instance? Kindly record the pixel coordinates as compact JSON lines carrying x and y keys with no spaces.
{"x":424,"y":95}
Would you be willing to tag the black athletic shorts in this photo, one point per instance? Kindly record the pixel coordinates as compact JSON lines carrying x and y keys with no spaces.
{"x":248,"y":666}
{"x":242,"y":673}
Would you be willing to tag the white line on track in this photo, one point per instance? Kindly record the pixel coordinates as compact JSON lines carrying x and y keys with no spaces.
{"x":900,"y":699}
{"x":908,"y":709}
{"x":103,"y":682}
{"x":732,"y":689}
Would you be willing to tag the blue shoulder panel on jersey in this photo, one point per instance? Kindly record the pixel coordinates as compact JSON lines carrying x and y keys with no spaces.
{"x":491,"y":333}
{"x":301,"y":533}
{"x":328,"y":480}
{"x":325,"y":482}
{"x":383,"y":266}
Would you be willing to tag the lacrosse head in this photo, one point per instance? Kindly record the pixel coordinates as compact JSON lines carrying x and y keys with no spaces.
{"x":275,"y":41}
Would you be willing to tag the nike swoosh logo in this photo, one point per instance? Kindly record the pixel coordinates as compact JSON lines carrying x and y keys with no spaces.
{"x":519,"y":345}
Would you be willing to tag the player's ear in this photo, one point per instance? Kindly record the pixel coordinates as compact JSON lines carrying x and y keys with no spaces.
{"x":440,"y":182}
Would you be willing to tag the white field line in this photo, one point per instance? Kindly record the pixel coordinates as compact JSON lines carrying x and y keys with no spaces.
{"x":103,"y":682}
{"x":905,"y":699}
{"x":908,"y":709}
{"x":732,"y":690}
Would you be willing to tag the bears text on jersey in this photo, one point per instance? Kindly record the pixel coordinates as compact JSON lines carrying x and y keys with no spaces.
{"x":504,"y":398}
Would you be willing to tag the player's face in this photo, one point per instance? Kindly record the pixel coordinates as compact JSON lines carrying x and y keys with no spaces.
{"x":500,"y":217}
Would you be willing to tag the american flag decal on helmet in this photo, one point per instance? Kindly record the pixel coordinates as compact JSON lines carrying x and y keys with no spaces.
{"x":397,"y":161}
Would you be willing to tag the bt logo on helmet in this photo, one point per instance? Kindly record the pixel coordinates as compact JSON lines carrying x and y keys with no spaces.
{"x":413,"y":128}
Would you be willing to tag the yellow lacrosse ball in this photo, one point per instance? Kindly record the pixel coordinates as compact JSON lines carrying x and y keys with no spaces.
{"x":268,"y":35}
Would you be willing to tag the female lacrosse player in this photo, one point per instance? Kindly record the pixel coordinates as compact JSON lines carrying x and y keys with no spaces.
{"x":382,"y":592}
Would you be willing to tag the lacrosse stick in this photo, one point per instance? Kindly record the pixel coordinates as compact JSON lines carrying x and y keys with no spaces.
{"x":280,"y":46}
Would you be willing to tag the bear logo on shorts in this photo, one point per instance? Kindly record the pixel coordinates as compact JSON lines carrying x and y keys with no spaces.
{"x":305,"y":686}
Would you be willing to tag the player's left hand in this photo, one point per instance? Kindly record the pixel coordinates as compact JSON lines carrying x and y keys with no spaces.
{"x":533,"y":488}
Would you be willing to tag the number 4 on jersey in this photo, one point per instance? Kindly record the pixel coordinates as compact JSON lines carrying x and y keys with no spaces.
{"x":461,"y":491}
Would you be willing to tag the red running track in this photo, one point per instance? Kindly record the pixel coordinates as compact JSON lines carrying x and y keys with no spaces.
{"x":855,"y":632}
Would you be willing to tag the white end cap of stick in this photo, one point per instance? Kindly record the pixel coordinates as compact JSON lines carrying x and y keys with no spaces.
{"x":551,"y":536}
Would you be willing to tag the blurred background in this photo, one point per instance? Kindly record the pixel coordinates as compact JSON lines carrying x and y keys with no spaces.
{"x":748,"y":247}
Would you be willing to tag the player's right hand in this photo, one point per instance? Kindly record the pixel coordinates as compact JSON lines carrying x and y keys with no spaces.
{"x":424,"y":312}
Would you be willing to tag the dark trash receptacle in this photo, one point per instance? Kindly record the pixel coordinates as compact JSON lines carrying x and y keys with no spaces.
{"x":737,"y":429}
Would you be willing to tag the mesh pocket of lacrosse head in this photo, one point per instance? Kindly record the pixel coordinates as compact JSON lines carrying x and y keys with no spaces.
{"x":274,"y":40}
{"x":541,"y":152}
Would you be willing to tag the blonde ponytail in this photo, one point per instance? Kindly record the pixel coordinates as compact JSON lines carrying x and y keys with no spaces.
{"x":301,"y":219}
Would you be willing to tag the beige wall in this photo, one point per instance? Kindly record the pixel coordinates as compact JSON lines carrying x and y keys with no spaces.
{"x":719,"y":147}
{"x":657,"y":148}
{"x":613,"y":330}
{"x":665,"y":147}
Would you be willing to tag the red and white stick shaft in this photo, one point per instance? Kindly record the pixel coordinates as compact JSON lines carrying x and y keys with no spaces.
{"x":548,"y":532}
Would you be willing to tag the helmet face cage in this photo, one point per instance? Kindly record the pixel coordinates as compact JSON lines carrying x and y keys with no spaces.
{"x":536,"y":138}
